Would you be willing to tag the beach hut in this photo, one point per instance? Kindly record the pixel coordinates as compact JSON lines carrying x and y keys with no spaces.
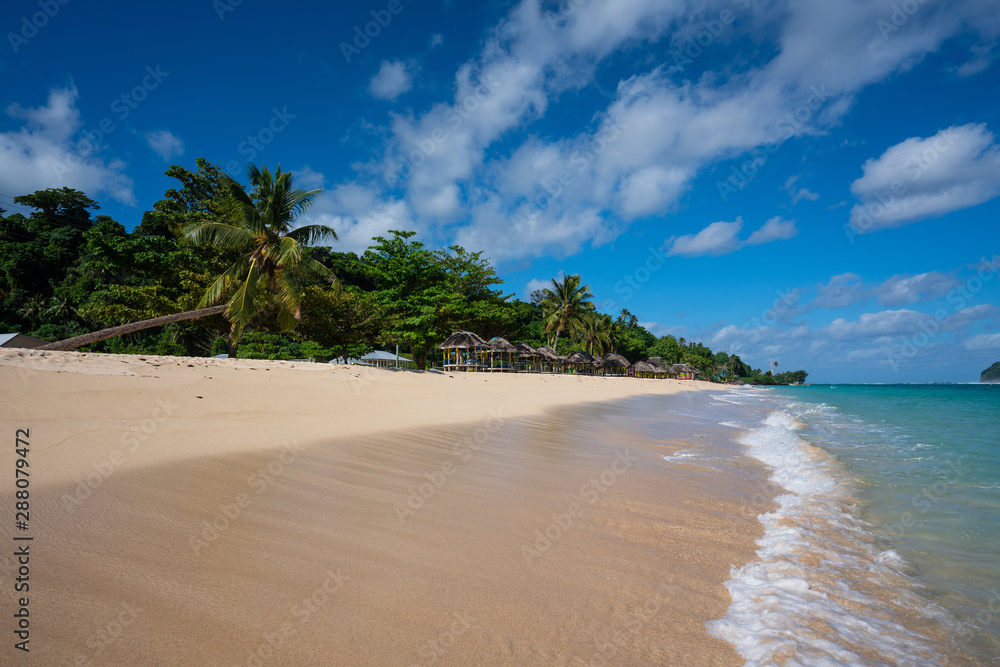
{"x":464,"y":351}
{"x":527,"y":358}
{"x":613,"y":364}
{"x":20,"y":340}
{"x":382,"y":359}
{"x":580,"y":362}
{"x":641,"y":369}
{"x":686,"y":372}
{"x":502,"y":355}
{"x":551,"y":361}
{"x":660,"y":370}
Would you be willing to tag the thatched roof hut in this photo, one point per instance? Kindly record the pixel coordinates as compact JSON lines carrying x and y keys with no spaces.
{"x":463,"y":340}
{"x":525,"y":351}
{"x":580,"y":358}
{"x":642,"y":369}
{"x":612,"y":360}
{"x":548,"y":353}
{"x":499,"y":344}
{"x":464,"y":350}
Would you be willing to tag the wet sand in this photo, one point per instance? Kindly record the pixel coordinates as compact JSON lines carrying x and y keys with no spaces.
{"x":515,"y":537}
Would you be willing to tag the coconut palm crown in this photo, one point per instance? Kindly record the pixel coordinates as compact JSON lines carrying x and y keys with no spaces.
{"x":259,"y":225}
{"x":564,"y":304}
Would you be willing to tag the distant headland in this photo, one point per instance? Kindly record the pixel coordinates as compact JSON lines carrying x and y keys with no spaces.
{"x":991,"y":374}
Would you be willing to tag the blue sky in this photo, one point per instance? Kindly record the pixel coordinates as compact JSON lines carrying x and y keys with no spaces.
{"x":810,"y":182}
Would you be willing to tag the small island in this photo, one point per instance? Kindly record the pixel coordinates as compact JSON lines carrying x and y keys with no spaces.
{"x":991,"y":374}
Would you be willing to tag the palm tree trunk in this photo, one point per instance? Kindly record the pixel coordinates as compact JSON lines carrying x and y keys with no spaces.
{"x":103,"y":334}
{"x":556,"y":346}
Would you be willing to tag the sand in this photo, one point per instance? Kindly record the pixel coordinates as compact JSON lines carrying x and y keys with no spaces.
{"x":203,"y":511}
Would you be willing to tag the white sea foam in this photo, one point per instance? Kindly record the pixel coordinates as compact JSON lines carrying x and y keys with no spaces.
{"x":818,"y":593}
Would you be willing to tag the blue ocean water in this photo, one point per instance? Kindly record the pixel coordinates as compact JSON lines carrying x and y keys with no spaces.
{"x":885,"y":547}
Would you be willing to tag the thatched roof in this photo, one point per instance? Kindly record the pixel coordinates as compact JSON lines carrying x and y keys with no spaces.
{"x":525,"y":350}
{"x":613,"y":360}
{"x":642,"y":367}
{"x":461,"y":340}
{"x":499,"y":344}
{"x":579,"y":357}
{"x":684,"y":368}
{"x":660,"y":368}
{"x":547,"y":352}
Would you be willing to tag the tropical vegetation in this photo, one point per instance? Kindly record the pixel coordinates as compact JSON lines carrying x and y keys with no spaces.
{"x":216,"y":267}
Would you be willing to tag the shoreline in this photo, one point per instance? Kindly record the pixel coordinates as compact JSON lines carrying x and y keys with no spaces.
{"x":539,"y":524}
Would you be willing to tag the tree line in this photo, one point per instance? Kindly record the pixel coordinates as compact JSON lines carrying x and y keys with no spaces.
{"x":216,"y":267}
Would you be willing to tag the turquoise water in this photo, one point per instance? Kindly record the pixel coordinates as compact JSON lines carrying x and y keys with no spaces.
{"x":924,"y":465}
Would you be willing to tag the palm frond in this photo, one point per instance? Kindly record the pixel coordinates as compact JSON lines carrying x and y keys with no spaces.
{"x":220,"y":235}
{"x":285,"y":253}
{"x":222,"y":283}
{"x":245,"y":303}
{"x":312,"y":234}
{"x":289,"y":293}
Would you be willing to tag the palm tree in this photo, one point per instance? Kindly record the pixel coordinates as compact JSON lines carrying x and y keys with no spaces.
{"x":564,"y":304}
{"x":260,"y":226}
{"x":595,"y":330}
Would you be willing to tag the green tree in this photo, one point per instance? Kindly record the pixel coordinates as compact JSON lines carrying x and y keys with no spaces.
{"x":594,"y":331}
{"x":265,"y":276}
{"x":343,"y":321}
{"x":564,"y":305}
{"x":259,"y":226}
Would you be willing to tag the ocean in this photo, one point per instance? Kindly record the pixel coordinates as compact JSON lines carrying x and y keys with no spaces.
{"x":883,"y":547}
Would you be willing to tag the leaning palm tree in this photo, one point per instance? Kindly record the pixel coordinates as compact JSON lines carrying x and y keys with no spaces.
{"x":260,"y":226}
{"x":564,"y":304}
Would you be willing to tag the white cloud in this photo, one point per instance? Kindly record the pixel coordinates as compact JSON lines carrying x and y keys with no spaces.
{"x":392,"y":80}
{"x":927,"y":177}
{"x":983,"y":342}
{"x":843,"y":290}
{"x":165,"y":144}
{"x":357,"y":214}
{"x":452,"y":162}
{"x":774,"y":229}
{"x":798,"y":194}
{"x":905,"y":289}
{"x":722,"y":238}
{"x":536,"y":284}
{"x":48,"y":153}
{"x":719,"y":238}
{"x":885,"y":323}
{"x":437,"y":39}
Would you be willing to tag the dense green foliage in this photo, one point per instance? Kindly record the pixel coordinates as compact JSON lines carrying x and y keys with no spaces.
{"x":991,"y":374}
{"x":64,"y":273}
